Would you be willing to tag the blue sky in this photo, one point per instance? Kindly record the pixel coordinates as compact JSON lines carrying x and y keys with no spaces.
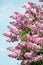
{"x":7,"y":8}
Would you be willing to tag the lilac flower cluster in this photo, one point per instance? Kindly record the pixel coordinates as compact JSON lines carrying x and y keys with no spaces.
{"x":29,"y":29}
{"x":41,"y":0}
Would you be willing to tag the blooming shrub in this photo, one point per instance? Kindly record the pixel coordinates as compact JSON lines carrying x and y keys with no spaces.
{"x":29,"y":29}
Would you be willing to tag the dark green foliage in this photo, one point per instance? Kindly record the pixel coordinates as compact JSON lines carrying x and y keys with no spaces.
{"x":24,"y":51}
{"x":34,"y":21}
{"x":42,"y":33}
{"x":41,"y":51}
{"x":37,"y":63}
{"x":25,"y":31}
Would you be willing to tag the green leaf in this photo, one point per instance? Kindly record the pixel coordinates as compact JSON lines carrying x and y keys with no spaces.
{"x":34,"y":21}
{"x":41,"y":51}
{"x":42,"y":33}
{"x":24,"y":32}
{"x":23,"y":38}
{"x":30,"y":32}
{"x":37,"y":63}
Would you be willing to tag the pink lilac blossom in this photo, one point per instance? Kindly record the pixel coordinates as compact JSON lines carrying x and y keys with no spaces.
{"x":33,"y":47}
{"x":28,"y":26}
{"x":37,"y":58}
{"x":29,"y":55}
{"x":34,"y":39}
{"x":41,"y":0}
